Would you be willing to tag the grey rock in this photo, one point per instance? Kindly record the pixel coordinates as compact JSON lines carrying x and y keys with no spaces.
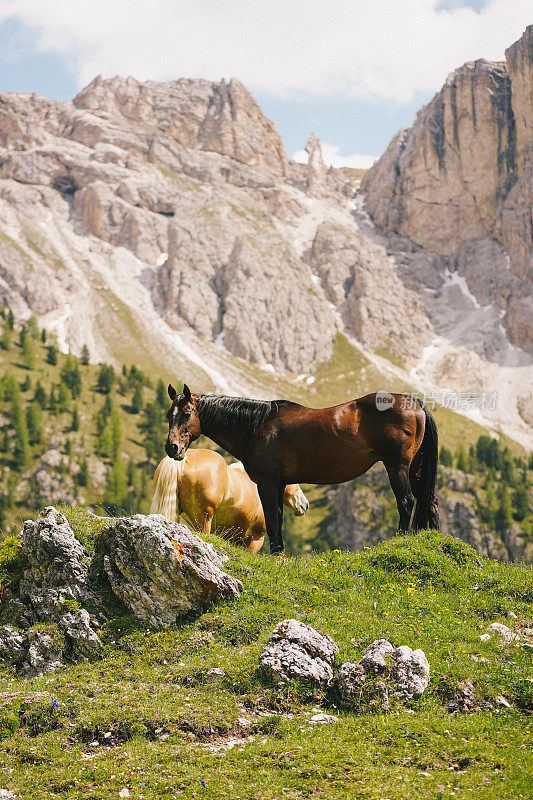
{"x":161,"y":570}
{"x":295,"y":650}
{"x":374,"y":678}
{"x":351,"y":678}
{"x":374,"y":657}
{"x":43,"y":656}
{"x":214,"y":674}
{"x":56,"y":557}
{"x":52,"y":602}
{"x":82,"y":642}
{"x":412,"y":670}
{"x":13,"y":647}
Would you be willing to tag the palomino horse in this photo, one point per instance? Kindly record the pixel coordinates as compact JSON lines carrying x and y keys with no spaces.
{"x":280,"y":442}
{"x":202,"y":487}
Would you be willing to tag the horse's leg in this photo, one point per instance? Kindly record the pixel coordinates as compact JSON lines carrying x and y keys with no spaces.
{"x":398,"y":472}
{"x":268,"y":494}
{"x":281,"y":498}
{"x":208,"y":519}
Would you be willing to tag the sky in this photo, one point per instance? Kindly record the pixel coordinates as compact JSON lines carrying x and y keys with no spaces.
{"x":351,"y":71}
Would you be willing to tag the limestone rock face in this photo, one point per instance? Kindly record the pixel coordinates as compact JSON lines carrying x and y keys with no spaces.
{"x":463,"y":174}
{"x":295,"y":650}
{"x":220,"y":117}
{"x":359,"y":279}
{"x":316,"y":169}
{"x":161,"y":570}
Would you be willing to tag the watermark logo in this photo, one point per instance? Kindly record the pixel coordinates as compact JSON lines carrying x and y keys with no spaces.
{"x":384,"y":400}
{"x":455,"y":401}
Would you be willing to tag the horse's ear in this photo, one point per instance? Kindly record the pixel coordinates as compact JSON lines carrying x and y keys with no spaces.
{"x":186,"y":393}
{"x":171,"y":391}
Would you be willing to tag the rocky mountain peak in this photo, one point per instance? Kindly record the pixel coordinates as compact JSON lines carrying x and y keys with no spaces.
{"x":220,"y":117}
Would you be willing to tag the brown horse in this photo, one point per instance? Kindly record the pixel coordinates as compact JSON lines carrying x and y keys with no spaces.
{"x":280,"y":442}
{"x":203,"y":488}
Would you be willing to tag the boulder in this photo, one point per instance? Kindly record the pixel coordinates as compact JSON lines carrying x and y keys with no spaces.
{"x":55,"y":556}
{"x":82,"y":643}
{"x":412,"y":669}
{"x":160,"y":570}
{"x":295,"y":650}
{"x":383,"y":671}
{"x":374,"y":657}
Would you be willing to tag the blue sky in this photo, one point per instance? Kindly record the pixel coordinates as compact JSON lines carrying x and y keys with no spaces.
{"x":351,"y":71}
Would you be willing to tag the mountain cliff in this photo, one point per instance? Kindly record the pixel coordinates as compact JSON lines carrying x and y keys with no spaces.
{"x":163,"y":224}
{"x":459,"y":184}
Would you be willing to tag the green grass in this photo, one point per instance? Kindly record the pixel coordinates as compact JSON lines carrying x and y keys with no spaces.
{"x":149,"y":709}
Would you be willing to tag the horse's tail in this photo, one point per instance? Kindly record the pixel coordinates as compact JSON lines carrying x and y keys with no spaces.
{"x":427,"y":507}
{"x":165,"y":500}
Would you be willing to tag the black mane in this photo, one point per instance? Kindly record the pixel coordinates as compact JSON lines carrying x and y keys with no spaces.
{"x":248,"y":414}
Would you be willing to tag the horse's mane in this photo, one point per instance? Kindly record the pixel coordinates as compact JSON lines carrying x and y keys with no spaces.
{"x":248,"y":414}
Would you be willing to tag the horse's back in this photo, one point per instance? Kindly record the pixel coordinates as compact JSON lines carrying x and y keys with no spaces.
{"x":205,"y":481}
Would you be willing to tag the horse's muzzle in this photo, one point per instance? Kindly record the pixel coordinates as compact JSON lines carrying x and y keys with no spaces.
{"x":173,"y":451}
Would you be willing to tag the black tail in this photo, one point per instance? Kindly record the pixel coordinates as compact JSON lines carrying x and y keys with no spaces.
{"x":427,"y":507}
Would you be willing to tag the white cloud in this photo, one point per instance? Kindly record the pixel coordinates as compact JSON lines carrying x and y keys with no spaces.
{"x":332,"y":157}
{"x":387,"y":50}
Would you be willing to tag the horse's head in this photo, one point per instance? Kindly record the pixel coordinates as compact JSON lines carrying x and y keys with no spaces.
{"x":295,"y":499}
{"x":183,"y":423}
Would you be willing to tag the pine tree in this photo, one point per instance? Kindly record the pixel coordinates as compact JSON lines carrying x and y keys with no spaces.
{"x":153,"y":429}
{"x":161,"y":394}
{"x":7,"y":337}
{"x":34,"y":423}
{"x":52,"y":401}
{"x":105,"y":443}
{"x":11,"y":320}
{"x":462,"y":461}
{"x":21,"y":447}
{"x":25,"y":386}
{"x":116,"y":495}
{"x":85,"y":355}
{"x":504,"y":514}
{"x":68,"y":448}
{"x":446,"y":458}
{"x":116,"y":431}
{"x":137,"y":400}
{"x":75,"y":426}
{"x":43,"y":336}
{"x":28,"y":351}
{"x":70,"y":375}
{"x":521,"y":502}
{"x":83,"y":474}
{"x":106,"y":378}
{"x":63,"y":397}
{"x":52,"y":353}
{"x":40,"y":395}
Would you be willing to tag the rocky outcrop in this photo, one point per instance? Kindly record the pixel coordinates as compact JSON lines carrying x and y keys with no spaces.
{"x":462,"y":176}
{"x":316,"y":169}
{"x":160,"y":570}
{"x":295,"y":650}
{"x":58,"y":563}
{"x":383,"y":672}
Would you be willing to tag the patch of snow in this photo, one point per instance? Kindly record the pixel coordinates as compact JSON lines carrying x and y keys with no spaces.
{"x":161,"y":259}
{"x":301,"y":377}
{"x":454,"y":279}
{"x":315,"y":279}
{"x":268,"y":368}
{"x":311,"y":379}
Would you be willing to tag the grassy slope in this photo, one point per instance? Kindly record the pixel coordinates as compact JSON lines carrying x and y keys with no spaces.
{"x":149,"y":694}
